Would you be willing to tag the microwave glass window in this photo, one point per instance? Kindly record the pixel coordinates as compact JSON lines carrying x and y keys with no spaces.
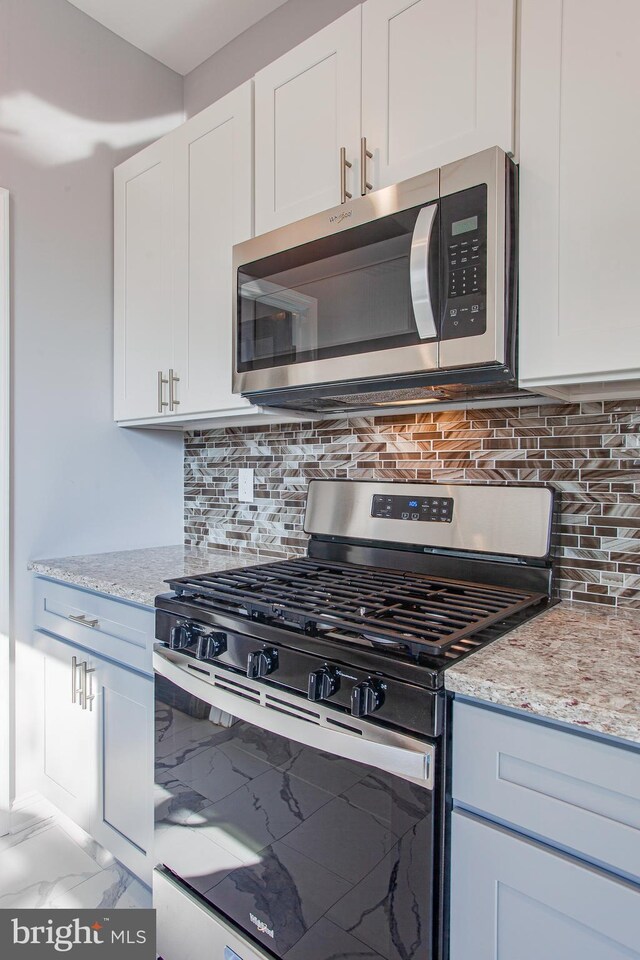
{"x":463,"y":226}
{"x":338,"y":296}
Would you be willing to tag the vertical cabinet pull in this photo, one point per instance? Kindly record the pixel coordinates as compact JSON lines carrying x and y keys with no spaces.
{"x":74,"y":679}
{"x":364,"y":156}
{"x":161,"y":382}
{"x":80,"y":692}
{"x":86,"y":694}
{"x":173,"y":402}
{"x":344,"y":165}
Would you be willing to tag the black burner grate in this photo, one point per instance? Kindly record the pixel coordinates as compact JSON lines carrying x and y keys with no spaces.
{"x":405,"y":611}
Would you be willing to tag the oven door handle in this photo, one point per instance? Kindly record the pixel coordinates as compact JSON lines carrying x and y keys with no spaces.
{"x":286,"y":715}
{"x":421,"y":294}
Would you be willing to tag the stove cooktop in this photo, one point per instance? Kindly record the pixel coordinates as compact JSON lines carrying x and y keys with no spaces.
{"x":409,"y":613}
{"x":377,"y":592}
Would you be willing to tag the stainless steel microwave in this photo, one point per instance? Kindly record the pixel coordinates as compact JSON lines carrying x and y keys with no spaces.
{"x":404,"y":295}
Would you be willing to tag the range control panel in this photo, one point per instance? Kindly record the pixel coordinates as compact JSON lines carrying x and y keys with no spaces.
{"x":464,"y":262}
{"x":431,"y":509}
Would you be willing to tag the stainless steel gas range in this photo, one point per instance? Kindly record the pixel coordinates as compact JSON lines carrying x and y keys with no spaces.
{"x":302,"y":747}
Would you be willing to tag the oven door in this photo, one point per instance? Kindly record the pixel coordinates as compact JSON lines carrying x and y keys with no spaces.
{"x":279,"y":834}
{"x":355,"y":282}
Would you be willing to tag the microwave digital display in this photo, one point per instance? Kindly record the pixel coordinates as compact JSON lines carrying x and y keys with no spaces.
{"x":463,"y":226}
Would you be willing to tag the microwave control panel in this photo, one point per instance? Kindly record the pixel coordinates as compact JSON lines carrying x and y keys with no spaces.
{"x":464,"y":263}
{"x":431,"y":509}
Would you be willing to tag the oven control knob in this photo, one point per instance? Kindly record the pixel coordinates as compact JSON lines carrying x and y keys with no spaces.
{"x":181,"y":636}
{"x":322,"y":684}
{"x":366,"y":697}
{"x":211,"y":645}
{"x":261,"y":662}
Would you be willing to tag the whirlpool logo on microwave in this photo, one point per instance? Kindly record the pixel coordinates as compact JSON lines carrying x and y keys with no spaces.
{"x":38,"y":934}
{"x":337,"y":218}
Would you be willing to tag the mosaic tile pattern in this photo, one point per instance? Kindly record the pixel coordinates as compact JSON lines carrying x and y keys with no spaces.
{"x":590,"y":452}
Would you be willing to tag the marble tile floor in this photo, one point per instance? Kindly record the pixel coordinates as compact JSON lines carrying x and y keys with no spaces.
{"x":50,"y":862}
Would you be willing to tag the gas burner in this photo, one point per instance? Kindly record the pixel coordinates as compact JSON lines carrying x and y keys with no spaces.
{"x":410,"y":612}
{"x":397,"y":595}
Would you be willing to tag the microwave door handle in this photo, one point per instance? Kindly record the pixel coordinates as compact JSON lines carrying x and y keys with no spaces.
{"x":421,"y":296}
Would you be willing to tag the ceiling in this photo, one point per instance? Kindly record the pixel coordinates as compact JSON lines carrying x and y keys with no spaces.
{"x":179,"y":33}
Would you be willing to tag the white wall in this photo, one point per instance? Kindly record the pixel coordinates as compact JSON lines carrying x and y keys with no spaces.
{"x":75,"y":100}
{"x":265,"y":41}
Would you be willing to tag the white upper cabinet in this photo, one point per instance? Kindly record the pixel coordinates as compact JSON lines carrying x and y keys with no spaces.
{"x":307,"y":108}
{"x":580,"y":195}
{"x":437,"y":83}
{"x":142,"y":279}
{"x":213,"y":189}
{"x":180,"y":205}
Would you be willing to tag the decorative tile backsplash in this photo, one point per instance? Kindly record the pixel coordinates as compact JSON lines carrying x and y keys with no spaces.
{"x":589,"y":451}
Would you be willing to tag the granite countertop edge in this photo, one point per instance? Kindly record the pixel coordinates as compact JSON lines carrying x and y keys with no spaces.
{"x":138,"y":576}
{"x":544,"y":707}
{"x":576,"y":663}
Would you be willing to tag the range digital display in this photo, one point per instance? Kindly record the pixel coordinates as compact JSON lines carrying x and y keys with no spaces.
{"x":431,"y":509}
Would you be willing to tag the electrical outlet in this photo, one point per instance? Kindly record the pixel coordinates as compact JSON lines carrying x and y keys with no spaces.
{"x":245,"y":485}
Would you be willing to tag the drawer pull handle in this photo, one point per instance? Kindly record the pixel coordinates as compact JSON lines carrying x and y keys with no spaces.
{"x":84,"y":620}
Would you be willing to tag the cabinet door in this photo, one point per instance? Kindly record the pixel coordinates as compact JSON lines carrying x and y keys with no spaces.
{"x":512,"y":899}
{"x":142,"y":280}
{"x":437,"y":83}
{"x":579,"y":191}
{"x":69,"y":734}
{"x":122,"y":819}
{"x":307,"y":108}
{"x":213,"y":210}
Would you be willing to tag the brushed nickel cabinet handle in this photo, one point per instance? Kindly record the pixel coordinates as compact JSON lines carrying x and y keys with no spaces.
{"x":173,"y":403}
{"x":74,"y":679}
{"x":84,"y":620}
{"x":344,"y":165}
{"x":364,"y":155}
{"x":161,"y":382}
{"x":86,"y":698}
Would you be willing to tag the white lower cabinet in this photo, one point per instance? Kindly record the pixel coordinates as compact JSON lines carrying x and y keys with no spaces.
{"x":514,"y":899}
{"x":546,"y":825}
{"x":69,"y":737}
{"x":123,"y":816}
{"x":98,"y":748}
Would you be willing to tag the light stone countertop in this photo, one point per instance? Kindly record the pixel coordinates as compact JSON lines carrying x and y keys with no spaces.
{"x":577,"y":663}
{"x":139,"y":575}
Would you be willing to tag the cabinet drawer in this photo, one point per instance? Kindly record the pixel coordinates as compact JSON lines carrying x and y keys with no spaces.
{"x":515,"y":899}
{"x":121,"y":631}
{"x":581,"y":794}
